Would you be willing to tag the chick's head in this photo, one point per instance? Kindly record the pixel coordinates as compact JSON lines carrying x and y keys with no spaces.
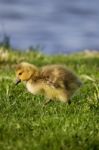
{"x":25,"y":71}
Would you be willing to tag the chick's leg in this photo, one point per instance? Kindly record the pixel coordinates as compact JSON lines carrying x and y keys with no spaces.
{"x":65,"y":100}
{"x":47,"y":101}
{"x":64,"y":97}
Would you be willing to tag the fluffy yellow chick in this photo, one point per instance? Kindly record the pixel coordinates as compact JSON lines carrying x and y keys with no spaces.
{"x":56,"y":82}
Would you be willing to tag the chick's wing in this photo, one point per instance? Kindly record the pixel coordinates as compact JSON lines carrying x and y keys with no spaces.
{"x":54,"y":75}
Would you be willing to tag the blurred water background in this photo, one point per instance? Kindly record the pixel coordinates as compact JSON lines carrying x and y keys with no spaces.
{"x":56,"y":26}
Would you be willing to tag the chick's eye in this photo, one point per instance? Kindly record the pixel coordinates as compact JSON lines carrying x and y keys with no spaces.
{"x":20,"y":73}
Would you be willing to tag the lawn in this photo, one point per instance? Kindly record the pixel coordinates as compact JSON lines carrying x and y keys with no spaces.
{"x":26,"y":125}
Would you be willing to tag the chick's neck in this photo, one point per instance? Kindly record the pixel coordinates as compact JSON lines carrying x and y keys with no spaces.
{"x":35,"y":77}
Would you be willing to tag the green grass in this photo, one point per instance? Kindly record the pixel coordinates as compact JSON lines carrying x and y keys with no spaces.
{"x":26,"y":125}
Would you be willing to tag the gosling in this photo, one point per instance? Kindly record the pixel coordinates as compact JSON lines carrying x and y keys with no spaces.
{"x":55,"y":82}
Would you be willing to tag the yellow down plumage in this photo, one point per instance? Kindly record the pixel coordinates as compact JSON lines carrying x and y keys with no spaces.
{"x":56,"y":82}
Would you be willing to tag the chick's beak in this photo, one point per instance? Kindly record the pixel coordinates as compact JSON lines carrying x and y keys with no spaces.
{"x":17,"y":81}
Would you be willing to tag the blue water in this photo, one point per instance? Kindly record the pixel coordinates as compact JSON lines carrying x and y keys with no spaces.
{"x":55,"y":26}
